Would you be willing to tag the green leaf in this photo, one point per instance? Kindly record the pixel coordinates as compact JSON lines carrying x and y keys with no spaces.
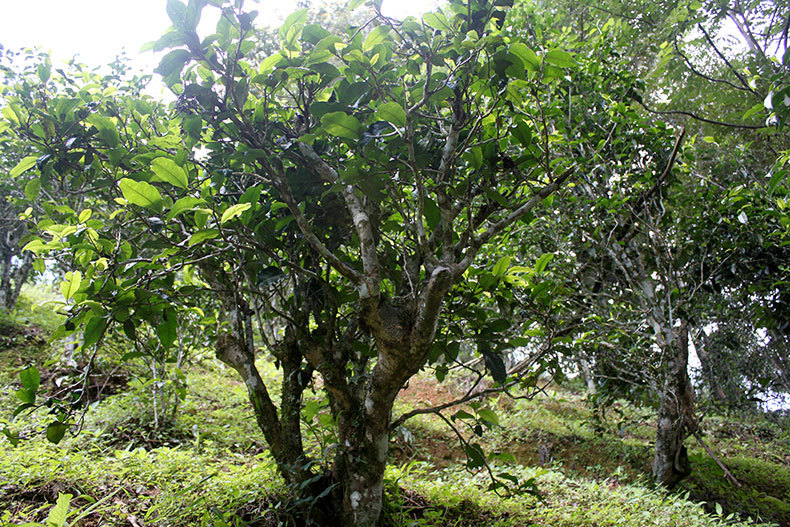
{"x":375,"y":37}
{"x":500,"y":268}
{"x":527,"y":56}
{"x":57,"y":516}
{"x":233,"y":212}
{"x":542,"y":262}
{"x":30,"y":378}
{"x":392,"y":112}
{"x":201,"y":236}
{"x":523,"y":133}
{"x":94,"y":329}
{"x":496,"y":366}
{"x":168,"y":171}
{"x":171,"y":64}
{"x":108,"y":131}
{"x":292,"y":26}
{"x":141,"y":193}
{"x":340,"y":124}
{"x":32,"y":188}
{"x":431,"y":213}
{"x":184,"y":204}
{"x":560,"y":58}
{"x":475,"y":157}
{"x":488,"y":415}
{"x":56,"y":431}
{"x":475,"y":458}
{"x":26,"y":396}
{"x":71,"y":284}
{"x":26,"y":163}
{"x":166,"y":331}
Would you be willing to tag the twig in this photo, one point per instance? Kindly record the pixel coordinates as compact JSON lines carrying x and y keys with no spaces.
{"x":727,"y":473}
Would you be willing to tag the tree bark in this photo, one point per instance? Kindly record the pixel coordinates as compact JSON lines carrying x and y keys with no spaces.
{"x":676,"y":412}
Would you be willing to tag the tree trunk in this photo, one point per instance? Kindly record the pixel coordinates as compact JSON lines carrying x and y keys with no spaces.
{"x":676,"y":412}
{"x":13,"y":277}
{"x":359,"y":468}
{"x":589,"y":380}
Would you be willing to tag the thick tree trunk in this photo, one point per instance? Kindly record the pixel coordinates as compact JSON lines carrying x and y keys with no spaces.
{"x":676,"y":413}
{"x":359,"y":468}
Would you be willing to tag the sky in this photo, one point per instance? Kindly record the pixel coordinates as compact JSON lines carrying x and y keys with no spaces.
{"x":98,"y":30}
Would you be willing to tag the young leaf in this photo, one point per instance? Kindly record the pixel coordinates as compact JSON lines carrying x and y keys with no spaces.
{"x":233,"y":212}
{"x":542,"y":262}
{"x":57,"y":516}
{"x":30,"y":378}
{"x":501,"y":266}
{"x":168,"y":171}
{"x":71,"y":284}
{"x":141,"y":193}
{"x":32,"y":188}
{"x":23,"y":165}
{"x":201,"y":236}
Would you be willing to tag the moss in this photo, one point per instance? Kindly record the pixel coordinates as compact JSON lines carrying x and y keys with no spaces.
{"x":764,"y":494}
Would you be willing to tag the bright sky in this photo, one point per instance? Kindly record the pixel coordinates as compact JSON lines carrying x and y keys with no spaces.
{"x":98,"y":30}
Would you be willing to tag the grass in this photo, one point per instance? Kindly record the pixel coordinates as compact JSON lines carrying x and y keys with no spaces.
{"x":210,"y":466}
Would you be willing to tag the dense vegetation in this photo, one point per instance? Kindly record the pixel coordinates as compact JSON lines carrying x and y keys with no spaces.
{"x":494,"y":197}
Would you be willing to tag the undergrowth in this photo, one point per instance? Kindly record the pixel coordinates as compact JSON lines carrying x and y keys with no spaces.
{"x":209,"y":465}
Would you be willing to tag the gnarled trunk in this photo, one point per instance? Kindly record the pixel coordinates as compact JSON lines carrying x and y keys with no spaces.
{"x":676,"y":412}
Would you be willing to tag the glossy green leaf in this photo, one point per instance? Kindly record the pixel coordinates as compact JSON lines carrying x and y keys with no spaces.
{"x":500,"y":268}
{"x":94,"y":330}
{"x":488,"y":415}
{"x":233,"y":212}
{"x":560,"y":58}
{"x":25,"y":164}
{"x":56,"y":431}
{"x":167,"y":170}
{"x":167,"y":330}
{"x":202,"y":236}
{"x":292,"y":26}
{"x":376,"y":37}
{"x":141,"y":193}
{"x":527,"y":56}
{"x":392,"y":112}
{"x":542,"y":262}
{"x":107,"y":128}
{"x":171,"y":64}
{"x":475,"y":458}
{"x":30,"y":378}
{"x":340,"y":124}
{"x":32,"y":188}
{"x":71,"y":284}
{"x":184,"y":204}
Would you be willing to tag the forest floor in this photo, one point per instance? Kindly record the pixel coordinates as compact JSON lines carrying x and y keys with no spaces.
{"x":209,"y":465}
